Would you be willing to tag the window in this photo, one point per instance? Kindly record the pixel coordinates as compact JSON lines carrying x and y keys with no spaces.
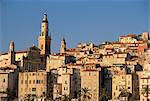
{"x":29,"y":81}
{"x":29,"y":89}
{"x":33,"y":89}
{"x":65,"y":88}
{"x":114,"y":94}
{"x":21,"y":81}
{"x":65,"y":82}
{"x":33,"y":81}
{"x":41,"y":81}
{"x":89,"y":74}
{"x":26,"y":81}
{"x":33,"y":74}
{"x":128,"y":82}
{"x":42,"y":59}
{"x":37,"y":81}
{"x":143,"y":80}
{"x":41,"y":46}
{"x":3,"y":80}
{"x":42,"y":32}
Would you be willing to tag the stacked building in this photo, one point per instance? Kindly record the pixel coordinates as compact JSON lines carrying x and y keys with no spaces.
{"x":115,"y":71}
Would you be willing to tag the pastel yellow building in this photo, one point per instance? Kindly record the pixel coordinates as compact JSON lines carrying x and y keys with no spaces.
{"x":67,"y":82}
{"x":125,"y":83}
{"x":8,"y":86}
{"x":55,"y":61}
{"x":32,"y":85}
{"x":130,"y":38}
{"x":120,"y":83}
{"x":90,"y":79}
{"x":144,"y":78}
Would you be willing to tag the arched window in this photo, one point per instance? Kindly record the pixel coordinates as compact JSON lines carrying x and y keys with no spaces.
{"x":42,"y":33}
{"x":41,"y":46}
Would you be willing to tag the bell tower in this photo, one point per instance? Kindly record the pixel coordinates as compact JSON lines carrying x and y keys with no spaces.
{"x":63,"y":45}
{"x":44,"y":39}
{"x":11,"y":53}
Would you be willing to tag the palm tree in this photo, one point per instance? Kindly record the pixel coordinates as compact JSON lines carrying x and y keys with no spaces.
{"x":104,"y":95}
{"x":125,"y":93}
{"x":58,"y":98}
{"x":85,"y":94}
{"x":44,"y":96}
{"x":65,"y":98}
{"x":28,"y":97}
{"x":146,"y":90}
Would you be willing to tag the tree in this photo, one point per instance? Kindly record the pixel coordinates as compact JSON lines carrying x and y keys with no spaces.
{"x":146,"y":90}
{"x":125,"y":93}
{"x":65,"y":98}
{"x":58,"y":98}
{"x":28,"y":97}
{"x":45,"y":96}
{"x":104,"y":95}
{"x":85,"y":94}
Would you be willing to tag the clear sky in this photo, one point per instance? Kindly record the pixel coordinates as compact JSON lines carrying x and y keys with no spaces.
{"x":77,"y":20}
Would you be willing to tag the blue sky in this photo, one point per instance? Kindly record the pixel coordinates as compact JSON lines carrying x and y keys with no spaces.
{"x":77,"y":20}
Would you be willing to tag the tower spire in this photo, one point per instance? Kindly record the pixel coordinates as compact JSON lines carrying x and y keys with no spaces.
{"x":44,"y":26}
{"x":45,"y":18}
{"x":44,"y":39}
{"x":11,"y":53}
{"x":11,"y":46}
{"x":63,"y":45}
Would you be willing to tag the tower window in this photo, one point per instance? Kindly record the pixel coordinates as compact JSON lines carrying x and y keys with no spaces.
{"x":3,"y":80}
{"x":41,"y":46}
{"x":42,"y":33}
{"x":33,"y":89}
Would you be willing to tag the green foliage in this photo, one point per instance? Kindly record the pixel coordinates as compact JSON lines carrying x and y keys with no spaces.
{"x":146,"y":90}
{"x":104,"y":95}
{"x":65,"y":98}
{"x":85,"y":94}
{"x":125,"y":93}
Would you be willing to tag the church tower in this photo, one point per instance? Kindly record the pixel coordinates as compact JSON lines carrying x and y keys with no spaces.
{"x":11,"y":53}
{"x":63,"y":46}
{"x":44,"y":40}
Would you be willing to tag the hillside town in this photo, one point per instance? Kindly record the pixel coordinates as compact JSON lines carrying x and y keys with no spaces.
{"x":110,"y":71}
